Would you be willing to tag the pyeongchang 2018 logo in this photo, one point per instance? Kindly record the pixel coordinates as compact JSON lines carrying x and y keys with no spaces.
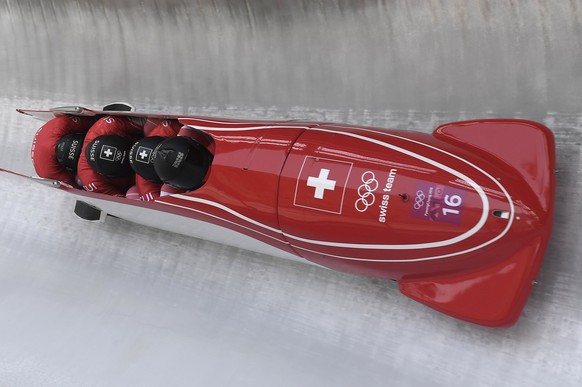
{"x":366,"y":191}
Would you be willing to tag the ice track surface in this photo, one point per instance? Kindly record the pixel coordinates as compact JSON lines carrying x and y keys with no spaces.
{"x":117,"y":304}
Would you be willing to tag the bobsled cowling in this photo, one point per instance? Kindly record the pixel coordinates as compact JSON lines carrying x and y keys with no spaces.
{"x":460,"y":218}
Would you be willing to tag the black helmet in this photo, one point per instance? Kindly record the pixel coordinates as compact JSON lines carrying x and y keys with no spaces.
{"x":109,"y":156}
{"x":182,"y":162}
{"x":142,"y":155}
{"x":69,"y":149}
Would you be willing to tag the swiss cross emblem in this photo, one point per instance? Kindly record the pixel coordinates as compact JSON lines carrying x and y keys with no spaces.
{"x":108,"y":153}
{"x":144,"y":154}
{"x":321,"y":184}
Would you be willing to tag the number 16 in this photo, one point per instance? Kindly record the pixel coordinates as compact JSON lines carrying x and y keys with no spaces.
{"x":452,"y":201}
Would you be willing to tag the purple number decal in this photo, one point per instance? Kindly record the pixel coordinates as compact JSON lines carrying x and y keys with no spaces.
{"x":438,"y":203}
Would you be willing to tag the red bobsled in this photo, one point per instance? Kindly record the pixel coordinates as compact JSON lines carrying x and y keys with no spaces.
{"x":460,"y":218}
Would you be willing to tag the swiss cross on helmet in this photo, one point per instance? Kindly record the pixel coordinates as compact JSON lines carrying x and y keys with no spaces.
{"x":142,"y":155}
{"x":109,"y":156}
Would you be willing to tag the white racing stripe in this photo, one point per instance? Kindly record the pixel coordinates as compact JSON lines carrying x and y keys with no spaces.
{"x":222,"y":219}
{"x":375,"y":246}
{"x":229,"y":210}
{"x":431,"y":258}
{"x":444,"y":243}
{"x":260,"y":127}
{"x":262,"y":123}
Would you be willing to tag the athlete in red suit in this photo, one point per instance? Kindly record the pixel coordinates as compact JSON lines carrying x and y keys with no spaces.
{"x":64,"y":140}
{"x":90,"y":179}
{"x":144,"y":153}
{"x":152,"y":188}
{"x":52,"y":135}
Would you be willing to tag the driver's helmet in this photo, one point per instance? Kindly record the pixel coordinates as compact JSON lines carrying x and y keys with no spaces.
{"x":182,"y":162}
{"x":109,"y":156}
{"x":69,"y":149}
{"x":142,"y":156}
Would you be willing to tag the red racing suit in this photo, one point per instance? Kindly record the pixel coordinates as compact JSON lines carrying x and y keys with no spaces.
{"x":43,"y":152}
{"x":89,"y":178}
{"x":149,"y":190}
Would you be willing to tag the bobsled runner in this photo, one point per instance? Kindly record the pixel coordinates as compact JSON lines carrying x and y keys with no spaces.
{"x":460,"y":218}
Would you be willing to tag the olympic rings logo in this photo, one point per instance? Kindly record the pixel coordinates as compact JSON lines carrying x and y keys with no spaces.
{"x":419,"y":200}
{"x":365,"y":191}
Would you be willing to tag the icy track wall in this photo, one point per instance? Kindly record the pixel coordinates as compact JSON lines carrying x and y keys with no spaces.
{"x":491,"y":55}
{"x":117,"y":304}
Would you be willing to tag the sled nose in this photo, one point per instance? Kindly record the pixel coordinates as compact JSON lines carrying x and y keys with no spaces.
{"x":527,"y":147}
